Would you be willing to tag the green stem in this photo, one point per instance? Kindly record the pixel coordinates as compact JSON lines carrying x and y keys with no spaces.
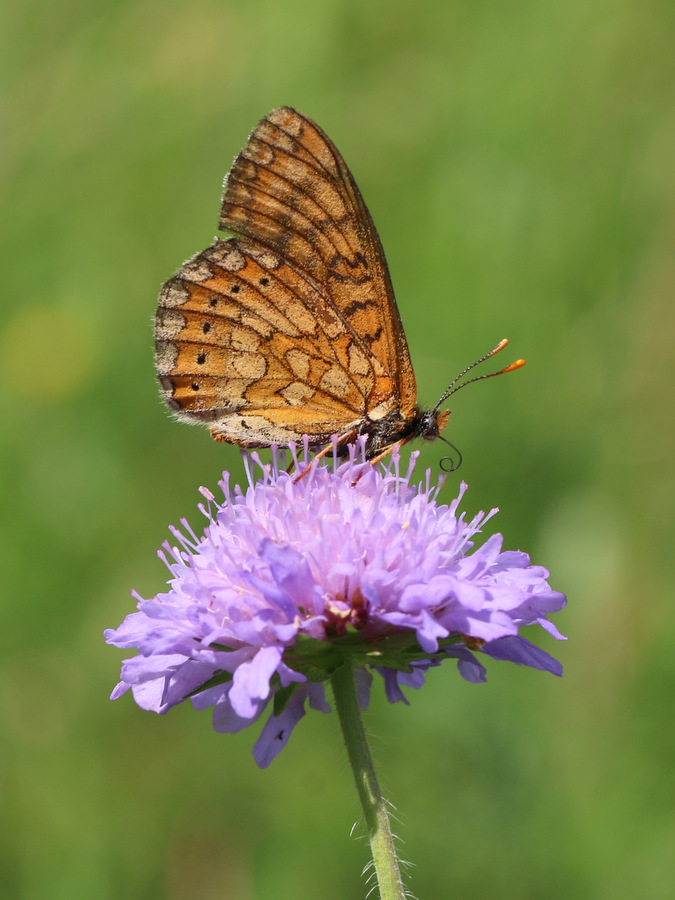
{"x":372,"y":801}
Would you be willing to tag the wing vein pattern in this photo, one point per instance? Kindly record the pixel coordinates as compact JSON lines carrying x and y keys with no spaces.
{"x":290,"y":327}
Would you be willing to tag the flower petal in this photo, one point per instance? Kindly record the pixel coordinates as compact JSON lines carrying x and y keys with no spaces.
{"x":290,"y":573}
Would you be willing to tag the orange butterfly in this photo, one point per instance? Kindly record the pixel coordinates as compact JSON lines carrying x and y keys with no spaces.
{"x":291,"y":327}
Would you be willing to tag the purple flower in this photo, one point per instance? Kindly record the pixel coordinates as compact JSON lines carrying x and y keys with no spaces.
{"x":292,"y":576}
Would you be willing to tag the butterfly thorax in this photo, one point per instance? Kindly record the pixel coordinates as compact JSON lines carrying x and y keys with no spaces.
{"x":397,"y":428}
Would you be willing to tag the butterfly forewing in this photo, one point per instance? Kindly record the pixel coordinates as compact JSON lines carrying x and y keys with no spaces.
{"x":291,"y":327}
{"x":291,"y":190}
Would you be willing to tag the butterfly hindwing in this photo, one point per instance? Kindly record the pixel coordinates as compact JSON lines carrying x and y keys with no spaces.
{"x":248,"y":346}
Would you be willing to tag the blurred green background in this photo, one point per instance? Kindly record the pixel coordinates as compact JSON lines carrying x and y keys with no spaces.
{"x":517,"y":158}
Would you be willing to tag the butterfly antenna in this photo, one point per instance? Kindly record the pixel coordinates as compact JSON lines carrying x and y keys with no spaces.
{"x":453,"y":387}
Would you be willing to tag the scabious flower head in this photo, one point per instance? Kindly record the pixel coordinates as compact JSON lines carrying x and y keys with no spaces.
{"x":293,"y":575}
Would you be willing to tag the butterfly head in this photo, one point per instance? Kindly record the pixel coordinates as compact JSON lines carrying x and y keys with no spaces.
{"x":432,"y":422}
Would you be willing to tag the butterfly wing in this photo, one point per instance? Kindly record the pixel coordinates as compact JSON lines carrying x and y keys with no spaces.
{"x":290,"y":328}
{"x":290,"y":190}
{"x":247,"y":345}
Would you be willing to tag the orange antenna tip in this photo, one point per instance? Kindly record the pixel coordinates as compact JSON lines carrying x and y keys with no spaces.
{"x":518,"y":364}
{"x":500,"y":346}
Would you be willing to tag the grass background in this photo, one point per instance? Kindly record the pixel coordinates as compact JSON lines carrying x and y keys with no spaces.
{"x":517,"y":158}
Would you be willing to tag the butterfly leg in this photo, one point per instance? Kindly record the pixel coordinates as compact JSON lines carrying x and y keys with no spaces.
{"x":342,"y":439}
{"x":383,"y":455}
{"x":388,"y":451}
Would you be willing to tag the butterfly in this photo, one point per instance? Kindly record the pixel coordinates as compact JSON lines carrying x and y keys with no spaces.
{"x":290,"y":327}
